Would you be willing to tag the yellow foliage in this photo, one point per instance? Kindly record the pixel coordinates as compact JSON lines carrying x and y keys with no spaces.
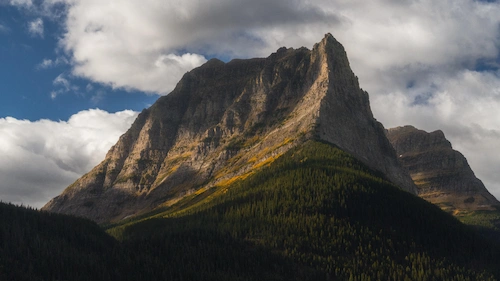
{"x":233,"y":179}
{"x":266,"y":162}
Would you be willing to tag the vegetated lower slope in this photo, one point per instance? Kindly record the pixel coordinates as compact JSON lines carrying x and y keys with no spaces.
{"x":316,"y":213}
{"x":42,"y":246}
{"x":486,"y":222}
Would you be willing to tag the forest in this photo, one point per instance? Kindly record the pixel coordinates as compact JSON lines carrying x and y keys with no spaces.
{"x":316,"y":213}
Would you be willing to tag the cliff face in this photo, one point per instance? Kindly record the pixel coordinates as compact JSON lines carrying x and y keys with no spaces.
{"x":442,"y":174}
{"x":223,"y":121}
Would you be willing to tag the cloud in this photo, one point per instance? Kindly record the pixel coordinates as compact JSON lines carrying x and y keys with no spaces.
{"x":49,"y":63}
{"x":428,"y":63}
{"x":35,"y":28}
{"x":39,"y":159}
{"x":149,"y":45}
{"x":62,"y":81}
{"x":46,"y":63}
{"x":63,"y":85}
{"x":122,"y":45}
{"x":25,"y":3}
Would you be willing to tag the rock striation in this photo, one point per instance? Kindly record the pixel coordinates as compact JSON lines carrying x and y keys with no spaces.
{"x":223,"y":121}
{"x":441,"y":174}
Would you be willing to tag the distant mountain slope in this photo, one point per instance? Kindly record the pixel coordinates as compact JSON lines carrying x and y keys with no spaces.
{"x":223,"y":121}
{"x":441,"y":174}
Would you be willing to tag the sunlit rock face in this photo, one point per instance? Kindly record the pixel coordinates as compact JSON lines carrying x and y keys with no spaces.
{"x":225,"y":120}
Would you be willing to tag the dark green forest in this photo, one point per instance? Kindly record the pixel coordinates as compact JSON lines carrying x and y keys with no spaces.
{"x":316,"y":213}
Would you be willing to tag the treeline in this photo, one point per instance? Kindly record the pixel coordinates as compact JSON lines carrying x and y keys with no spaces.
{"x":316,"y":213}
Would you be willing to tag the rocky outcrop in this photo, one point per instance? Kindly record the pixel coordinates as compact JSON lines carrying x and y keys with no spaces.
{"x":441,"y":174}
{"x":223,"y":121}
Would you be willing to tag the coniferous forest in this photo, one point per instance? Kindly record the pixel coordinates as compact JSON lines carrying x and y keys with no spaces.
{"x":316,"y":213}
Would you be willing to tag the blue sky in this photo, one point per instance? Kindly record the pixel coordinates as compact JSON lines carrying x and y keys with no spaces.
{"x":27,"y":87}
{"x":75,"y":73}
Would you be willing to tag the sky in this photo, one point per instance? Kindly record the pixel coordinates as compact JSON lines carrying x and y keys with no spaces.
{"x":74,"y":74}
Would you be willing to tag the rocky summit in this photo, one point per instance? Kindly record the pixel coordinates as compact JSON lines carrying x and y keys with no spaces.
{"x":441,"y":174}
{"x":223,"y":121}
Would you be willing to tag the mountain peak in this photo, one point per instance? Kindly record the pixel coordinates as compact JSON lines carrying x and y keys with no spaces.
{"x":329,"y":39}
{"x":330,"y":46}
{"x":442,"y":174}
{"x":410,"y":138}
{"x":223,"y":121}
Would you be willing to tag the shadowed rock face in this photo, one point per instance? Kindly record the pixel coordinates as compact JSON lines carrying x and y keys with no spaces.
{"x":223,"y":121}
{"x":442,"y":174}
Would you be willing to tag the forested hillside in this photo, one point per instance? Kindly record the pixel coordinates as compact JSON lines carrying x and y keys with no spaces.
{"x":316,"y":213}
{"x":322,"y":209}
{"x":42,"y":246}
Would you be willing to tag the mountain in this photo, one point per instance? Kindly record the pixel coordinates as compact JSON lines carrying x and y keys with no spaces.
{"x":223,"y":122}
{"x":261,"y":169}
{"x":441,"y":173}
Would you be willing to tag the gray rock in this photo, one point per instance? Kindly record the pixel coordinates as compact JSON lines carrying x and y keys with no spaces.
{"x":442,"y":174}
{"x":225,"y":120}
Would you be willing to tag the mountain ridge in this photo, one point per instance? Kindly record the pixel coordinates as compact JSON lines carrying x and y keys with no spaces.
{"x":441,"y":173}
{"x":225,"y":120}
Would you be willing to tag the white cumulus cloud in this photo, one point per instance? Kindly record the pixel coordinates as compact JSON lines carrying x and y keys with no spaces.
{"x":40,"y":159}
{"x":148,"y":45}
